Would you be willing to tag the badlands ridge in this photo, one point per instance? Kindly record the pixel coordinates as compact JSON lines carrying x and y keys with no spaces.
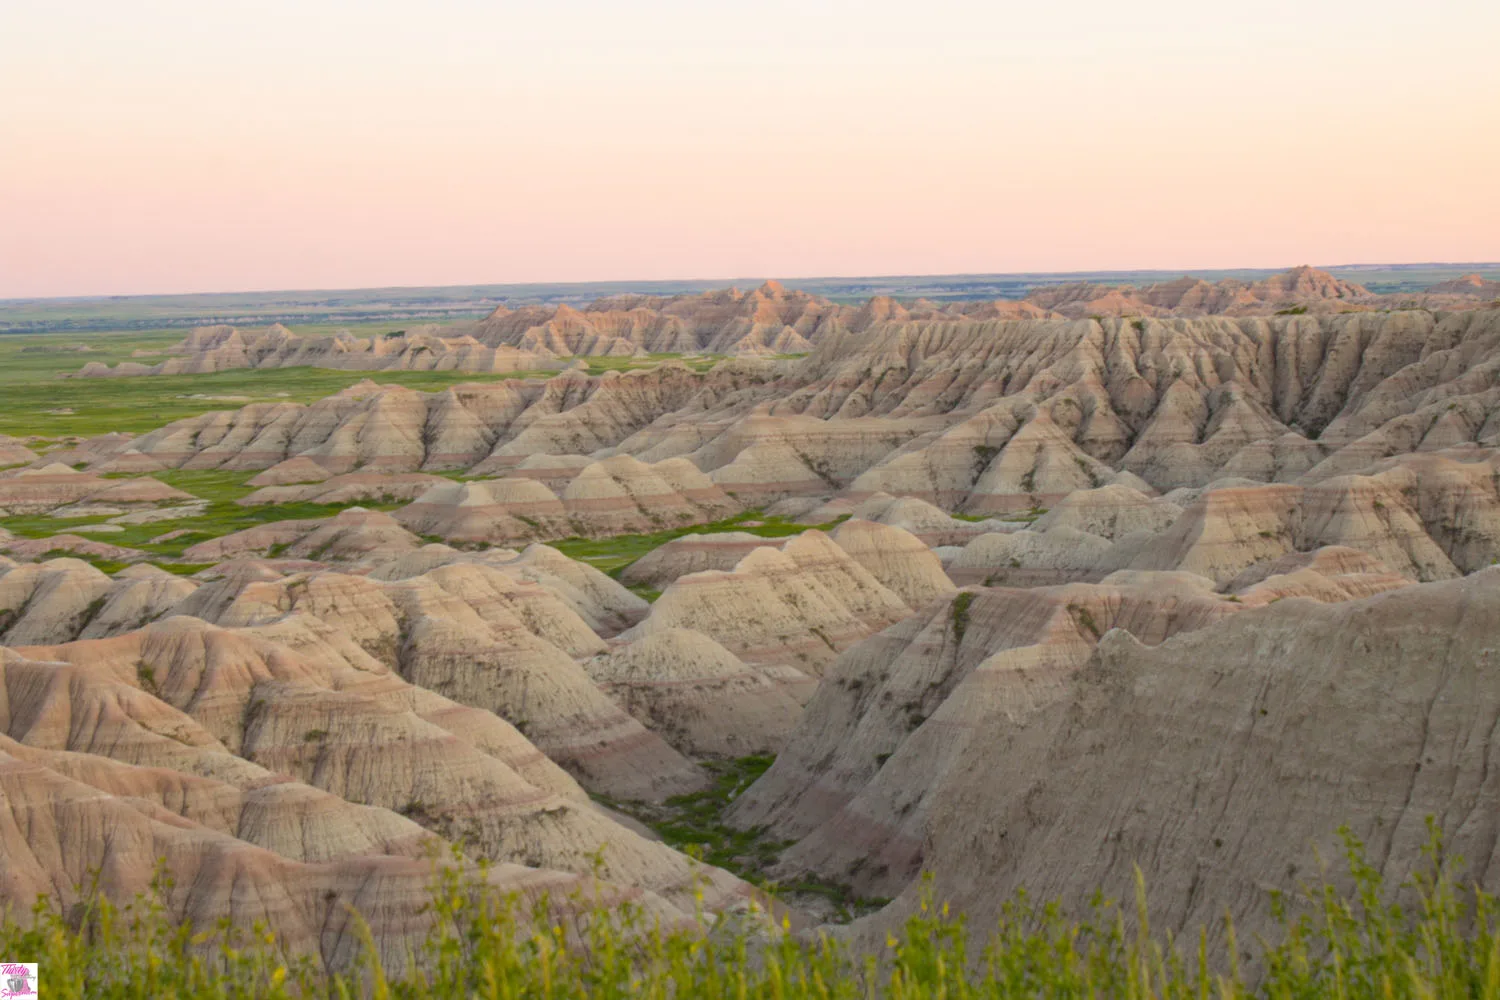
{"x":1018,"y":594}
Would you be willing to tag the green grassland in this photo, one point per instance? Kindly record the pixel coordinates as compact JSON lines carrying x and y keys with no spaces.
{"x":615,"y":553}
{"x":1429,"y":938}
{"x":36,"y":398}
{"x":222,"y":516}
{"x":32,"y":392}
{"x":695,"y":824}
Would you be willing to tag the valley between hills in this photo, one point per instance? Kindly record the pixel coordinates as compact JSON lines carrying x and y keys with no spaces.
{"x":691,"y":600}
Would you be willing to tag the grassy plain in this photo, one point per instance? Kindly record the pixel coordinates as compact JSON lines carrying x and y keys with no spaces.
{"x":614,"y":553}
{"x":36,"y":402}
{"x":222,"y":516}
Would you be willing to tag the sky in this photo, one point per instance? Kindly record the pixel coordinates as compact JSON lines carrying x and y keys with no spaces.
{"x":161,"y":147}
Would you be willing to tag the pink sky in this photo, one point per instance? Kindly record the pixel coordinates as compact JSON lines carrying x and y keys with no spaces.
{"x":173,"y":147}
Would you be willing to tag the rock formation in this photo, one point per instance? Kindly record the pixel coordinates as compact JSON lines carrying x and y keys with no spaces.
{"x":699,"y":696}
{"x":1183,"y":575}
{"x":53,"y":486}
{"x":1221,"y":760}
{"x":218,"y":348}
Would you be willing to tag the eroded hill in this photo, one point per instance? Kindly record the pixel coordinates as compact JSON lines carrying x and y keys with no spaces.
{"x":1016,"y":598}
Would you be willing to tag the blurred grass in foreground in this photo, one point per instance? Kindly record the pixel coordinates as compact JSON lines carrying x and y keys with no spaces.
{"x":1353,"y":944}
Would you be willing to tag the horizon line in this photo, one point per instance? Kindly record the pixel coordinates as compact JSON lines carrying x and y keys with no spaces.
{"x":735,"y":281}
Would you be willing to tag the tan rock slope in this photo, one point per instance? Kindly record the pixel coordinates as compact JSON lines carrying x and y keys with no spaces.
{"x":13,"y":451}
{"x":769,"y":320}
{"x":910,"y":713}
{"x":698,"y":695}
{"x":983,"y":417}
{"x":53,"y":486}
{"x":1301,"y":287}
{"x":68,"y":816}
{"x":488,"y":636}
{"x":1221,"y":759}
{"x":1422,"y":517}
{"x":794,"y":606}
{"x":898,"y":711}
{"x":618,"y":495}
{"x":64,"y":599}
{"x":283,"y":749}
{"x":290,"y":738}
{"x":1469,"y":284}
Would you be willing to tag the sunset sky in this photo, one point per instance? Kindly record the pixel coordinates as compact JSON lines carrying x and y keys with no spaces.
{"x":174,"y":147}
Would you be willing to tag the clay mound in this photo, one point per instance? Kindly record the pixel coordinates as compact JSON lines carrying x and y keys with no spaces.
{"x":221,"y":348}
{"x":600,"y":500}
{"x":90,"y":451}
{"x":623,"y":494}
{"x":302,"y":700}
{"x":1469,"y":284}
{"x":1229,"y":529}
{"x":1109,"y":512}
{"x":1031,"y":558}
{"x":259,"y":540}
{"x":1330,"y":560}
{"x":352,"y":487}
{"x":505,"y":643}
{"x":292,"y":472}
{"x":350,"y":536}
{"x":693,"y":554}
{"x":896,"y":558}
{"x":1037,"y":466}
{"x":924,"y":520}
{"x":432,"y":555}
{"x":1285,"y":723}
{"x":699,"y":696}
{"x":1300,"y":287}
{"x":1329,"y":574}
{"x":978,"y":415}
{"x":600,"y":601}
{"x":46,"y":834}
{"x":901,"y":714}
{"x":553,"y":471}
{"x":14,"y":452}
{"x":139,"y":595}
{"x":616,"y":495}
{"x":763,"y":473}
{"x":64,"y":599}
{"x":767,"y":320}
{"x":42,"y":600}
{"x":130,"y":462}
{"x":697,"y":488}
{"x":793,"y":607}
{"x":1406,"y":516}
{"x":38,"y":490}
{"x":909,"y":722}
{"x":494,"y":510}
{"x":40,"y":548}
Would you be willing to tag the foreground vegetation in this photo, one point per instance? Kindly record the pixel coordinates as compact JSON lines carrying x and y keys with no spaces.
{"x":694,"y":824}
{"x":1439,"y":941}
